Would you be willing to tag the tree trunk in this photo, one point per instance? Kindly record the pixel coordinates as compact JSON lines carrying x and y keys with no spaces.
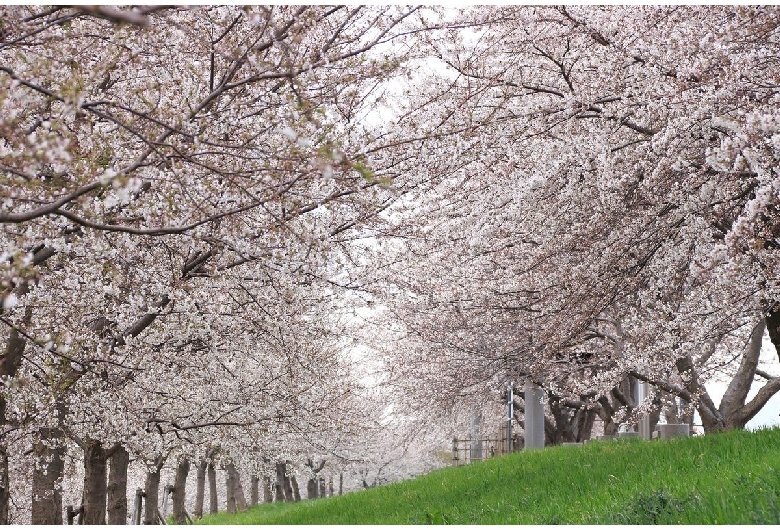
{"x":138,"y":504}
{"x":213,"y":501}
{"x":238,"y":489}
{"x":268,"y":495}
{"x":606,"y":412}
{"x":288,"y":491}
{"x":152,"y":488}
{"x":296,"y":491}
{"x":711,"y":419}
{"x":585,"y":421}
{"x":230,"y":492}
{"x":311,"y":488}
{"x":254,"y":495}
{"x":117,"y":486}
{"x":281,"y":467}
{"x":179,"y":490}
{"x":341,"y":484}
{"x":321,"y":488}
{"x":9,"y":364}
{"x":686,"y":413}
{"x":200,"y":489}
{"x":4,"y":486}
{"x":47,"y":475}
{"x":733,"y":400}
{"x":95,"y":484}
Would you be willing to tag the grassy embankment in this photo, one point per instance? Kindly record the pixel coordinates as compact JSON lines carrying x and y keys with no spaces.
{"x":730,"y":478}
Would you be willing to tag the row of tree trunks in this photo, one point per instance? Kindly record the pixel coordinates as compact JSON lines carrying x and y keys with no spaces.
{"x":101,"y":491}
{"x":46,"y":490}
{"x":286,"y":486}
{"x":208,"y":473}
{"x":317,"y":489}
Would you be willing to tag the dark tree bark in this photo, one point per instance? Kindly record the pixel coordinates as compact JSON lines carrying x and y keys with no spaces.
{"x":179,"y":490}
{"x":9,"y":364}
{"x":138,"y":506}
{"x":607,"y":414}
{"x":311,"y":488}
{"x":558,"y":429}
{"x":200,"y":491}
{"x":281,"y":468}
{"x":152,"y":488}
{"x":4,"y":486}
{"x":95,"y":483}
{"x":341,"y":484}
{"x":584,"y":424}
{"x":117,"y":486}
{"x":330,"y":487}
{"x":230,"y":492}
{"x":46,"y":492}
{"x":238,"y":489}
{"x":212,"y":476}
{"x":773,"y":327}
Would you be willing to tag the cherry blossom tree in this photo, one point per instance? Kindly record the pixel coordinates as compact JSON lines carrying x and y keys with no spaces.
{"x":603,"y":162}
{"x":195,"y":199}
{"x":171,"y":164}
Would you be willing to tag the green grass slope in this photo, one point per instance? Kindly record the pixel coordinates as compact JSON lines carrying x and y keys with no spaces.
{"x":731,"y":478}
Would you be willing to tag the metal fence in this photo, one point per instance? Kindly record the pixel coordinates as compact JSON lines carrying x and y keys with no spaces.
{"x":465,"y":450}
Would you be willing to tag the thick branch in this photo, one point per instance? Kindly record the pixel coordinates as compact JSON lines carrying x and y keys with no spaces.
{"x":737,"y":391}
{"x":760,"y":400}
{"x":117,"y":16}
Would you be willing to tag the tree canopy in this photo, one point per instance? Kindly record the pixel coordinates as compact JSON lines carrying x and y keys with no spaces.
{"x":305,"y":233}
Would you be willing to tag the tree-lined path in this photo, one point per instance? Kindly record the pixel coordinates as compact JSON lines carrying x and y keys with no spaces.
{"x":301,"y":246}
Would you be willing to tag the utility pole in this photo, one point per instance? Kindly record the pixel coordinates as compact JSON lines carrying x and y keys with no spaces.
{"x":510,"y":410}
